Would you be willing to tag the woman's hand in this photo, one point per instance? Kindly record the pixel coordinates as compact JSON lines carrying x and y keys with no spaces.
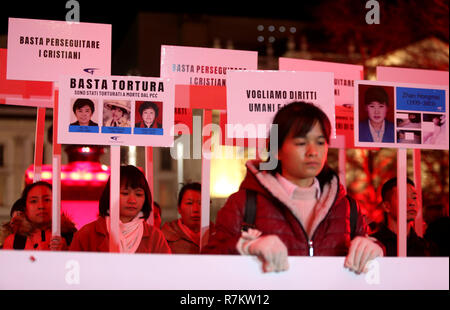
{"x":272,"y":251}
{"x":57,"y":243}
{"x":362,"y":250}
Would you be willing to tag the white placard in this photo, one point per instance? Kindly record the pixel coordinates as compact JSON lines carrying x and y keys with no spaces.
{"x":415,"y":117}
{"x":43,"y":50}
{"x":120,"y":103}
{"x":203,"y":66}
{"x":254,"y":97}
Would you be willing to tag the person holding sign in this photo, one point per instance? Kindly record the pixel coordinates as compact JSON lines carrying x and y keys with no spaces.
{"x":32,"y":227}
{"x":301,"y":207}
{"x":83,"y":109}
{"x":135,"y":207}
{"x":376,"y":128}
{"x":117,"y":113}
{"x":149,"y":112}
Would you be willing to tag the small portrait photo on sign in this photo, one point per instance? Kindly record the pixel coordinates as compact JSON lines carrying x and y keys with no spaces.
{"x":116,"y":113}
{"x":84,"y":116}
{"x":409,"y":136}
{"x":408,"y":120}
{"x":148,"y":118}
{"x":434,"y":128}
{"x":376,"y":113}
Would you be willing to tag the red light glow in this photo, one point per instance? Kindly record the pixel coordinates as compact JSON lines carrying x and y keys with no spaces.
{"x":74,"y":173}
{"x":46,"y":175}
{"x":75,"y":176}
{"x":102,"y":176}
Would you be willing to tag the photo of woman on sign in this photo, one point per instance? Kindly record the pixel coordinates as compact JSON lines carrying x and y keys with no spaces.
{"x":150,"y":114}
{"x":376,"y":127}
{"x":83,"y":109}
{"x":116,"y":113}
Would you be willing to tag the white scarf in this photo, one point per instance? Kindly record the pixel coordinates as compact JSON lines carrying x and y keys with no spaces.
{"x":130,"y":233}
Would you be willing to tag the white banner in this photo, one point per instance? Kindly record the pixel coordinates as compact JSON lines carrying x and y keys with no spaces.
{"x":45,"y":270}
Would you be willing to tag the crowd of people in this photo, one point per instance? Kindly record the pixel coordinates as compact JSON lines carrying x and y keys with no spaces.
{"x":299,"y":208}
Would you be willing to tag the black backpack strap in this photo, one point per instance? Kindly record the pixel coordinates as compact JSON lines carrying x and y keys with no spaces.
{"x":353,"y":216}
{"x":19,"y":242}
{"x":250,"y":211}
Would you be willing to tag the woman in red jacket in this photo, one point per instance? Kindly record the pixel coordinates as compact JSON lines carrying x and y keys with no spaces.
{"x":31,"y":223}
{"x":183,"y":234}
{"x":301,"y":207}
{"x":135,"y":207}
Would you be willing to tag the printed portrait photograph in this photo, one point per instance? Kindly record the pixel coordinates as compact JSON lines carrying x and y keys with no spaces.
{"x":376,"y":113}
{"x":148,"y":114}
{"x":116,"y":113}
{"x":434,"y":129}
{"x":84,"y":112}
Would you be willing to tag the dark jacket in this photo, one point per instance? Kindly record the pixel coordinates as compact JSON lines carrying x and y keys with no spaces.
{"x":438,"y":232}
{"x":331,"y":226}
{"x":366,"y":136}
{"x":91,"y":123}
{"x":416,"y":246}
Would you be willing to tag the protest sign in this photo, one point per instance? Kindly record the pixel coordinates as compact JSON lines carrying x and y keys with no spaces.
{"x":43,"y":50}
{"x":344,"y":77}
{"x":254,"y":97}
{"x":411,"y":115}
{"x":198,"y":66}
{"x":116,"y":110}
{"x":24,"y":93}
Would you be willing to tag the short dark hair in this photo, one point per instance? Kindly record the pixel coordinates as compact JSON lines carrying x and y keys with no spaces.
{"x":376,"y":93}
{"x":81,"y":102}
{"x":195,"y":186}
{"x":148,"y":105}
{"x":130,"y":176}
{"x":299,"y":118}
{"x":19,"y":205}
{"x":389,"y":185}
{"x":29,"y":187}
